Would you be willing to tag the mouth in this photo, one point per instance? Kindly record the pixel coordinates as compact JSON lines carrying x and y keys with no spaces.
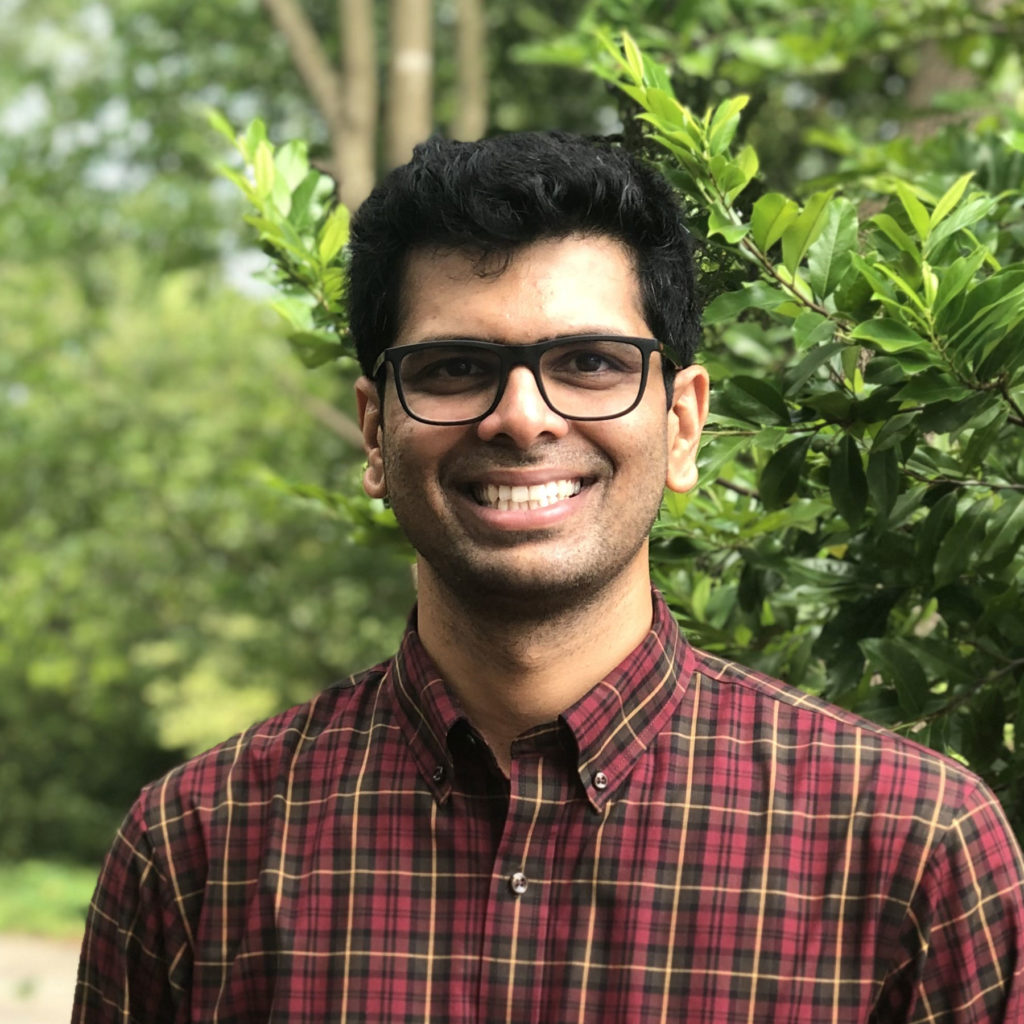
{"x":520,"y":498}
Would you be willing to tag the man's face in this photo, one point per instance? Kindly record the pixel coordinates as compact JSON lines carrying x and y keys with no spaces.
{"x":607,"y":477}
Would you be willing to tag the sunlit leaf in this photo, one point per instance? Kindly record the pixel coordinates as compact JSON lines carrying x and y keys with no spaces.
{"x":798,"y":237}
{"x":828,"y":256}
{"x":771,"y":215}
{"x":334,"y":234}
{"x":951,"y":198}
{"x":916,"y":211}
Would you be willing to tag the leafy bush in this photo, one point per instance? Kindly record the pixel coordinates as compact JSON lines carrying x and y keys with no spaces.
{"x":859,"y":530}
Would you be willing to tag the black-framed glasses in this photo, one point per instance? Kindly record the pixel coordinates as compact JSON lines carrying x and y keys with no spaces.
{"x":581,"y":377}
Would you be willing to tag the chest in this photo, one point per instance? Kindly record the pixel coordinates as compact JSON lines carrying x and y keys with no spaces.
{"x":670,"y":902}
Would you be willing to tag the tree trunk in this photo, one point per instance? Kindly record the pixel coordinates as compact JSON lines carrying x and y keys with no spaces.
{"x":359,"y":99}
{"x":347,"y":103}
{"x":471,"y":72}
{"x":313,"y":67}
{"x":410,"y":78}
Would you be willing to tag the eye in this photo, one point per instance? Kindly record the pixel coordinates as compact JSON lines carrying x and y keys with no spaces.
{"x":587,"y":362}
{"x":456,"y":366}
{"x":592,"y":360}
{"x":447,"y":369}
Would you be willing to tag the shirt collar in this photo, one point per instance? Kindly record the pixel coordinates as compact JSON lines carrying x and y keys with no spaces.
{"x":616,"y":721}
{"x":613,"y":724}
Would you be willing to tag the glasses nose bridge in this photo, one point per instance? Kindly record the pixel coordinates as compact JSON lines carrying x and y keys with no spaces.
{"x":514,"y":356}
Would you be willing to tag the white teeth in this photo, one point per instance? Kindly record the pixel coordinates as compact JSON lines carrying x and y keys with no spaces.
{"x":506,"y":498}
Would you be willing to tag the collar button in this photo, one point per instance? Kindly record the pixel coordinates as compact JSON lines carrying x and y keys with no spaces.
{"x":600,"y":780}
{"x":438,"y":773}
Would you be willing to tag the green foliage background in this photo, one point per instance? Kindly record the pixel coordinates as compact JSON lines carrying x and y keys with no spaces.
{"x":183,"y":547}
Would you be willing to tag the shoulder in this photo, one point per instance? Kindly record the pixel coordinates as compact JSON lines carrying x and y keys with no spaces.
{"x":298,"y":747}
{"x":811,"y":743}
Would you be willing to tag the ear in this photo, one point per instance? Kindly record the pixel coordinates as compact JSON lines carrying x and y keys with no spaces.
{"x":686,"y":419}
{"x":368,"y":406}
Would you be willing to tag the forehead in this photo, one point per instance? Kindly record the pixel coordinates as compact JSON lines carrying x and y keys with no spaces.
{"x":578,"y":284}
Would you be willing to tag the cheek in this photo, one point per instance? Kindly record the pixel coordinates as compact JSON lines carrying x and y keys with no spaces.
{"x":413,"y":454}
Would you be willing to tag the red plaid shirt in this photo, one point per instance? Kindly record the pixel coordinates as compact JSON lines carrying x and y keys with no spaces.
{"x":691,"y":841}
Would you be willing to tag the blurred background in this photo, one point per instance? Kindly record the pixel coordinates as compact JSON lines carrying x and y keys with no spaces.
{"x":161,"y":585}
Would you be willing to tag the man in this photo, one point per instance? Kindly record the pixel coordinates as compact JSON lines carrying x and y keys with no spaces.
{"x":547,"y":807}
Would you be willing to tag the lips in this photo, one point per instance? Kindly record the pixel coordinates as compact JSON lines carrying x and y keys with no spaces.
{"x":522,"y":497}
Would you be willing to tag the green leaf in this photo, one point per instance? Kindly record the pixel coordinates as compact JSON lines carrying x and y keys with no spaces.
{"x":263,"y":168}
{"x":634,"y":58}
{"x":891,"y":229}
{"x":753,"y":399}
{"x":747,"y":166}
{"x":315,"y":349}
{"x":770,"y":217}
{"x":811,"y":328}
{"x":292,"y":163}
{"x":930,"y":533}
{"x":724,"y":122}
{"x":656,"y":75}
{"x":717,"y":451}
{"x":799,"y":236}
{"x":932,"y":385}
{"x":720,"y":223}
{"x":754,"y":294}
{"x":1002,"y":360}
{"x":828,"y":257}
{"x":916,"y":211}
{"x":1005,"y":530}
{"x":847,"y":482}
{"x":950,"y":199}
{"x":900,"y":667}
{"x":955,"y":279}
{"x":220,"y":124}
{"x":883,"y":477}
{"x":812,"y":360}
{"x":255,"y":133}
{"x":300,"y":216}
{"x":960,"y":545}
{"x":890,"y":336}
{"x":964,"y":216}
{"x":781,"y":474}
{"x":334,"y":234}
{"x":947,"y":416}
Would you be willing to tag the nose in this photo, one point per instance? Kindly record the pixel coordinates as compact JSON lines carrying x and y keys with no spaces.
{"x":522,"y":415}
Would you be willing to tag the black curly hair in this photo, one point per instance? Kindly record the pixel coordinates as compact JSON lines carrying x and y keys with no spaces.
{"x":491,"y":198}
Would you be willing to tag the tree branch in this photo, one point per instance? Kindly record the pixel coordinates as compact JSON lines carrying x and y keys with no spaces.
{"x":311,"y":62}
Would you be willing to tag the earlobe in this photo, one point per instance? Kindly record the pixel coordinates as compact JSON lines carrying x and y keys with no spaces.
{"x":686,"y":420}
{"x":368,"y":406}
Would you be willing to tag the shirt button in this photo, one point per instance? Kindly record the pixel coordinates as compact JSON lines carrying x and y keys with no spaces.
{"x":438,"y":773}
{"x":518,"y":884}
{"x":600,"y":780}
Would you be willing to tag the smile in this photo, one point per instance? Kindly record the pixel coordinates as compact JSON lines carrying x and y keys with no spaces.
{"x":516,"y":498}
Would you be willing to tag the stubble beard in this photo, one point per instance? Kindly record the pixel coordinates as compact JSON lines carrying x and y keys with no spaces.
{"x":490,"y":585}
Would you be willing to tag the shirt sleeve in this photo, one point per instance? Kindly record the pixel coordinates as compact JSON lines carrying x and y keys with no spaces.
{"x":965,"y":926}
{"x":135,"y":954}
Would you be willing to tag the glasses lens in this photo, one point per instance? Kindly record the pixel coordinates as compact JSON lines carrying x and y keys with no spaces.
{"x":448,"y":383}
{"x":582,"y":378}
{"x":593,"y":378}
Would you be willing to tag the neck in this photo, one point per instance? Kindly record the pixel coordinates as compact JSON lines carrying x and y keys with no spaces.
{"x":518,"y":664}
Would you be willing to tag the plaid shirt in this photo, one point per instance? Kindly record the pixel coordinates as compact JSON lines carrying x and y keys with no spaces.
{"x":691,"y":841}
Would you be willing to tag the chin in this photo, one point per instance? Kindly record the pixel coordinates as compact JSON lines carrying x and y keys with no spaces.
{"x":531,"y":592}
